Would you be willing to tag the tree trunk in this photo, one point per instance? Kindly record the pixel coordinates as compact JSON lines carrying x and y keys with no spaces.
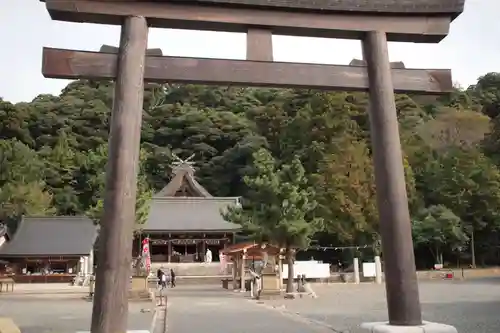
{"x":439,"y":256}
{"x":290,"y":256}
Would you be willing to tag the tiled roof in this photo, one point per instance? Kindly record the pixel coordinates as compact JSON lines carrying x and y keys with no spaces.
{"x":51,"y":236}
{"x":450,"y":7}
{"x":189,"y":214}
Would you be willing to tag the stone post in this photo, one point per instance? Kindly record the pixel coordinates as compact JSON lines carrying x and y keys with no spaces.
{"x":356,"y":271}
{"x":91,"y":263}
{"x":378,"y":270}
{"x":234,"y":270}
{"x":242,"y":271}
{"x":280,"y":269}
{"x":85,"y":265}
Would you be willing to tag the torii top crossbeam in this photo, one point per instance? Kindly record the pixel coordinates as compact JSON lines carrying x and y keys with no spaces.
{"x":425,"y":21}
{"x":375,"y":6}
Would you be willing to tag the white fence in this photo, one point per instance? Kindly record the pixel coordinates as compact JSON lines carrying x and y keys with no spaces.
{"x":311,"y":269}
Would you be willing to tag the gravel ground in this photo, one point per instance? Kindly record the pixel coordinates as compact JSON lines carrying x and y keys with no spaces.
{"x":471,"y":306}
{"x":44,"y":314}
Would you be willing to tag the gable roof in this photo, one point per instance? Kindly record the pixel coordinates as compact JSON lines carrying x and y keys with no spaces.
{"x":183,"y":177}
{"x":189,"y":214}
{"x":405,"y":7}
{"x":51,"y":236}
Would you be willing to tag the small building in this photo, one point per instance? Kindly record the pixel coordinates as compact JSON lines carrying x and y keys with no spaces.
{"x":50,"y":249}
{"x":185,"y":220}
{"x":259,"y":258}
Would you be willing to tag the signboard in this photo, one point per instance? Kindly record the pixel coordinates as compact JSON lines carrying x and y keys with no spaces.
{"x":186,"y":241}
{"x":369,"y":269}
{"x":311,"y":269}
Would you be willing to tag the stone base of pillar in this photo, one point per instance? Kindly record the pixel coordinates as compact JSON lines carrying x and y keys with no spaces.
{"x":426,"y":327}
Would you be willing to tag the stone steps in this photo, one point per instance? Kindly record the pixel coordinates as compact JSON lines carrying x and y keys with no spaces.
{"x":195,"y":280}
{"x":190,"y":269}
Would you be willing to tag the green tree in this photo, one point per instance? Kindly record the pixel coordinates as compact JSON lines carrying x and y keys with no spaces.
{"x":19,"y":199}
{"x":19,"y":163}
{"x":144,"y":192}
{"x":345,"y":191}
{"x":22,"y":190}
{"x":452,"y":128}
{"x":487,"y":94}
{"x":61,"y":164}
{"x":438,"y":229}
{"x":468,"y":183}
{"x":279,"y":207}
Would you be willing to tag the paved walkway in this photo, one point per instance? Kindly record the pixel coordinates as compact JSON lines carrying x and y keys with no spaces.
{"x":46,"y":315}
{"x":192,"y":309}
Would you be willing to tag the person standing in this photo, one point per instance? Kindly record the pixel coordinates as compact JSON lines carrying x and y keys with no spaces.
{"x":164,"y":280}
{"x":172,"y":278}
{"x":208,"y":256}
{"x":158,"y":276}
{"x":339,"y":265}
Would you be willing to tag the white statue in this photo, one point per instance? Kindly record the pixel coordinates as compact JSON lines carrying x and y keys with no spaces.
{"x":208,"y":256}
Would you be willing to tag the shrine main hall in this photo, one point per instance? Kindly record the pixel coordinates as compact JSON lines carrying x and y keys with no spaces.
{"x":185,"y":220}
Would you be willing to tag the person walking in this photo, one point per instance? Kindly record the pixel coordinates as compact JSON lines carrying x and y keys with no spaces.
{"x":162,"y":279}
{"x":158,"y":276}
{"x":172,"y":278}
{"x":162,"y":284}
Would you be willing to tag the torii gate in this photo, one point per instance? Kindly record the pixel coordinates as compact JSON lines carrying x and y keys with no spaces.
{"x":373,"y":22}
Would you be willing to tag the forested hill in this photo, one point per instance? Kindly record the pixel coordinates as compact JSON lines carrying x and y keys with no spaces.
{"x":53,"y":153}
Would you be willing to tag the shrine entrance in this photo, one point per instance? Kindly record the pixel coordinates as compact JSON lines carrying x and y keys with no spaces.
{"x":373,"y":22}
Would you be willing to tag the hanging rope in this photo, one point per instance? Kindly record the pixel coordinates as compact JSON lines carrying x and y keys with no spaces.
{"x":338,"y":248}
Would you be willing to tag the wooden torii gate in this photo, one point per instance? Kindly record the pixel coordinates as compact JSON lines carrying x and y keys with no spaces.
{"x":374,"y":22}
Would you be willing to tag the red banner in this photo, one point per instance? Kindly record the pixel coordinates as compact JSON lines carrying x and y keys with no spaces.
{"x":146,"y":255}
{"x":223,"y":262}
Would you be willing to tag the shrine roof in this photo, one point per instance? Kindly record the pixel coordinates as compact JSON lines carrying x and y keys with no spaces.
{"x":404,"y":7}
{"x":183,"y":179}
{"x":183,"y":176}
{"x":178,"y":214}
{"x":51,"y":236}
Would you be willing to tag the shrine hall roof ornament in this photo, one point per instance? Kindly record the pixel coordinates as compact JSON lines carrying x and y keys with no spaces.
{"x":180,"y":165}
{"x":183,"y":180}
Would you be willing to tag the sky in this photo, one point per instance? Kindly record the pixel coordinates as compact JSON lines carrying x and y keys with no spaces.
{"x":472,"y":48}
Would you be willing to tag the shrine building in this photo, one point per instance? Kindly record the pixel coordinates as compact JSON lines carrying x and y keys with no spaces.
{"x":49,"y":249}
{"x":185,"y":220}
